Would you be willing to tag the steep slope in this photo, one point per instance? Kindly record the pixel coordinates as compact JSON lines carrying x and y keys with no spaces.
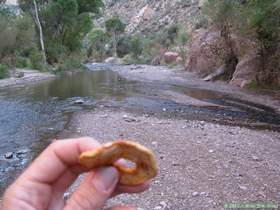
{"x":147,"y":16}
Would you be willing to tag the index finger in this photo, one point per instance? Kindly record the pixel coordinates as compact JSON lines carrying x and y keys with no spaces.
{"x":57,"y":158}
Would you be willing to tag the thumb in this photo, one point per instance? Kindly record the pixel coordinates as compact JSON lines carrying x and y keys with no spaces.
{"x":95,"y":190}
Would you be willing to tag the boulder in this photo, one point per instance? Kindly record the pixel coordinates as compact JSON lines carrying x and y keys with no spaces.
{"x":156,"y":61}
{"x":79,"y":102}
{"x":208,"y":52}
{"x":148,"y":13}
{"x":171,"y":57}
{"x":245,"y":71}
{"x":9,"y":155}
{"x":246,"y":51}
{"x":179,"y":60}
{"x":113,"y":60}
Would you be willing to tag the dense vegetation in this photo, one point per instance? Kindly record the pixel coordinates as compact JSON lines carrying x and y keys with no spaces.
{"x":59,"y":34}
{"x":256,"y":19}
{"x":44,"y":34}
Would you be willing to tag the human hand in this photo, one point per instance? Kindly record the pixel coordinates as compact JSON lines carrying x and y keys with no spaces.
{"x":43,"y":184}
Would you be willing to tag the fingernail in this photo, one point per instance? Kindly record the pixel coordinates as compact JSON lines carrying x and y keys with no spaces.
{"x":105,"y":178}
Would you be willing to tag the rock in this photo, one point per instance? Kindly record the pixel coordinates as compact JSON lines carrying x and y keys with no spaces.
{"x":246,"y":51}
{"x":203,"y":193}
{"x":179,"y":60}
{"x":9,"y":155}
{"x":220,"y":71}
{"x":156,"y":61}
{"x":245,"y":71}
{"x":163,"y":204}
{"x":170,"y":57}
{"x":66,"y":196}
{"x":208,"y":52}
{"x":194,"y":194}
{"x":255,"y":158}
{"x":163,"y":123}
{"x":22,"y":152}
{"x":114,"y":60}
{"x":129,"y":119}
{"x":144,"y":14}
{"x":243,"y":187}
{"x":148,"y":13}
{"x":79,"y":102}
{"x":17,"y":73}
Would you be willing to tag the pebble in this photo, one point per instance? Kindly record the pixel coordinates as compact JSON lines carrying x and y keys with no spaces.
{"x":22,"y":152}
{"x":154,"y":143}
{"x":164,"y":109}
{"x":163,"y":204}
{"x":211,"y":151}
{"x":79,"y":101}
{"x":203,"y":193}
{"x":66,"y":196}
{"x":255,"y":158}
{"x":163,"y":123}
{"x":243,"y":187}
{"x":9,"y":155}
{"x":194,"y":194}
{"x":129,"y":119}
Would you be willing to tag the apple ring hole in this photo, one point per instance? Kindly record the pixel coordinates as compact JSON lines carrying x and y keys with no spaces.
{"x":126,"y":165}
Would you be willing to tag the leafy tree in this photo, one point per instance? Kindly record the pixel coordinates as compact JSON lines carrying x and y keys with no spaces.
{"x":97,"y":40}
{"x":65,"y":23}
{"x":115,"y":27}
{"x":264,"y":18}
{"x":136,"y":46}
{"x":254,"y":17}
{"x":3,"y":71}
{"x":182,"y":40}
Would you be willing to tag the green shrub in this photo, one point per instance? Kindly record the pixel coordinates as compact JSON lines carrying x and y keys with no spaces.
{"x":22,"y":62}
{"x":37,"y":60}
{"x":3,"y":71}
{"x":182,"y":40}
{"x":136,"y":46}
{"x":97,"y":40}
{"x":123,"y":45}
{"x":130,"y":59}
{"x":72,"y":63}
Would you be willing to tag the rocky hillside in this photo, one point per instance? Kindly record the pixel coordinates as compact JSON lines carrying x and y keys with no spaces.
{"x":147,"y":16}
{"x":210,"y":55}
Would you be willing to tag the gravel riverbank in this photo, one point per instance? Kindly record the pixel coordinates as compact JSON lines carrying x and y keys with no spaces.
{"x":202,"y":165}
{"x":29,"y":77}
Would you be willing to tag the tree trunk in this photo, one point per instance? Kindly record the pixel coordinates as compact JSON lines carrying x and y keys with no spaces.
{"x":38,"y":23}
{"x":115,"y":44}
